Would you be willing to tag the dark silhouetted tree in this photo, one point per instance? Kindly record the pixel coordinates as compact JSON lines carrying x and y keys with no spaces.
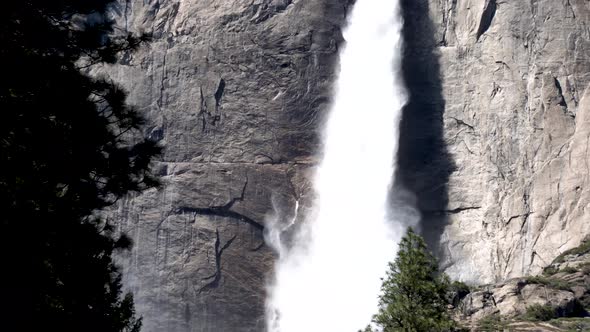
{"x":69,"y":146}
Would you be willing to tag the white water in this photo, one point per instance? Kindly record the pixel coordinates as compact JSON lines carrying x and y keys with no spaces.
{"x":330,"y":280}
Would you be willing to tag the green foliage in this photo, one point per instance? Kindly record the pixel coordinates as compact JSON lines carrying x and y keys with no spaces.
{"x":537,"y":312}
{"x":583,"y":248}
{"x":571,"y":324}
{"x":492,"y":323}
{"x":569,"y":269}
{"x":550,"y":270}
{"x":460,"y":287}
{"x":414,"y":292}
{"x":549,"y":282}
{"x":69,"y":146}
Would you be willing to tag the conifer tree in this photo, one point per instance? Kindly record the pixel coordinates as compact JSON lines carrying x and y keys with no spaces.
{"x":413,"y":297}
{"x":69,"y":146}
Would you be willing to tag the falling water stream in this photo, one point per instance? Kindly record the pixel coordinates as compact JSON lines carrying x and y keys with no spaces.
{"x":330,"y":279}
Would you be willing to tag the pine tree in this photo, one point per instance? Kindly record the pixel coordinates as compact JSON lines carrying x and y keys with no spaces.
{"x":69,"y":146}
{"x":413,"y":295}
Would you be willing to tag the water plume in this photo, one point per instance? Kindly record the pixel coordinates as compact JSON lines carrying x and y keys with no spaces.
{"x":329,"y":279}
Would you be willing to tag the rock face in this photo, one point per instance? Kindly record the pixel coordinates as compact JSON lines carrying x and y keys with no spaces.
{"x":563,"y":289}
{"x":512,"y":297}
{"x":234,"y":91}
{"x":494,"y":140}
{"x":496,"y":136}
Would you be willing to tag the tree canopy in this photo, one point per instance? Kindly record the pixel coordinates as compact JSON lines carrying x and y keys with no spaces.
{"x":413,"y":294}
{"x":69,"y":146}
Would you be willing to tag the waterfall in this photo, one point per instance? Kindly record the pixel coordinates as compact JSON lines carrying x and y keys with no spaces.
{"x":330,"y":279}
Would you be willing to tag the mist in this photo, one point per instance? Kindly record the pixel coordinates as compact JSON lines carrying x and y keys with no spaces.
{"x":329,"y":279}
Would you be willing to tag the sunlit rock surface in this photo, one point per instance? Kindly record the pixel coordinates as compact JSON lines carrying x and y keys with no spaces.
{"x":564,"y":287}
{"x":506,"y":180}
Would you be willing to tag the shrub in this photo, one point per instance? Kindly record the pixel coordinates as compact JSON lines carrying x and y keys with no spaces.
{"x":572,"y":324}
{"x":460,"y":287}
{"x":583,"y":248}
{"x":537,"y":312}
{"x":550,"y":270}
{"x":549,"y":282}
{"x":569,"y":269}
{"x":492,"y":323}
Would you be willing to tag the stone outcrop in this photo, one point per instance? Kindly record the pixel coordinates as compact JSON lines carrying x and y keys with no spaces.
{"x":563,"y":290}
{"x":500,"y":168}
{"x":234,"y":91}
{"x":511,"y":298}
{"x":494,"y":141}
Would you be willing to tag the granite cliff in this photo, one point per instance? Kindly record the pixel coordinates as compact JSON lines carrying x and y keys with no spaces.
{"x":234,"y":91}
{"x":497,"y":134}
{"x":494,"y":140}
